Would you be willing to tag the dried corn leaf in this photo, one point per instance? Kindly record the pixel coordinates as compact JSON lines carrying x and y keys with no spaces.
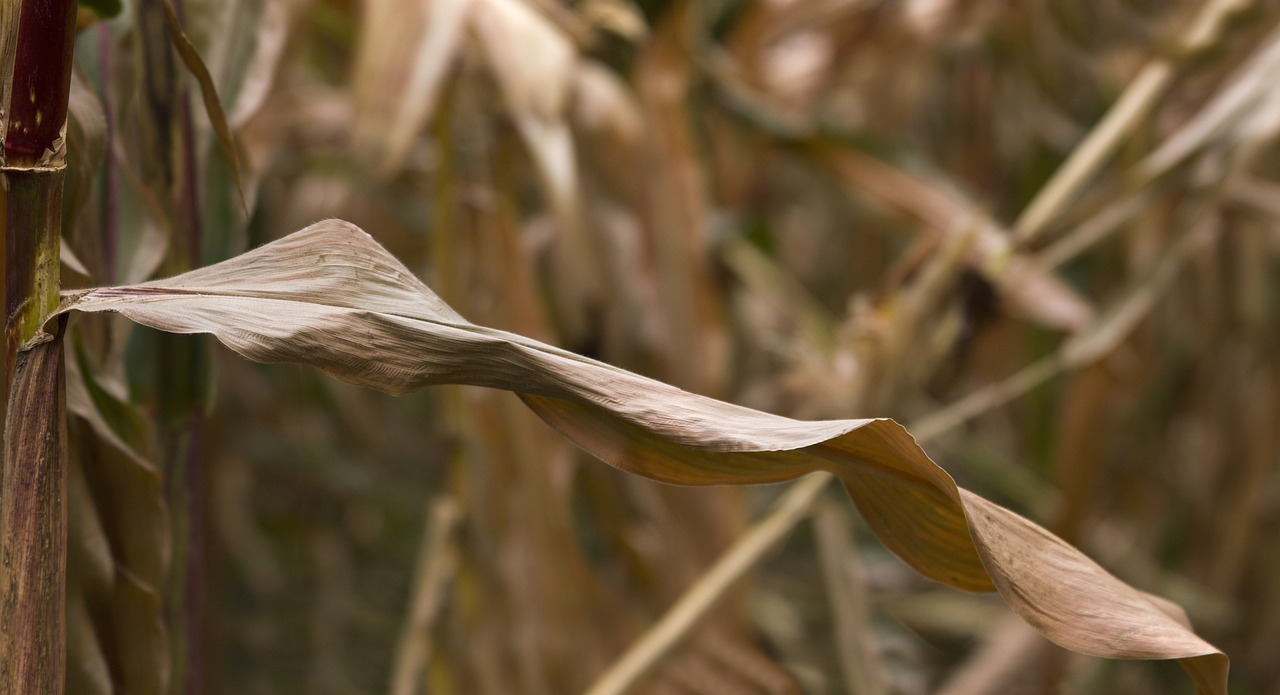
{"x":330,"y":297}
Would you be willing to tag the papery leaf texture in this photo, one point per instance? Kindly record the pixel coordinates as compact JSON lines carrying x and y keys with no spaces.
{"x":329,"y":296}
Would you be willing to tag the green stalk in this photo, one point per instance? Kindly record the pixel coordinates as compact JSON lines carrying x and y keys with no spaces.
{"x":35,"y":59}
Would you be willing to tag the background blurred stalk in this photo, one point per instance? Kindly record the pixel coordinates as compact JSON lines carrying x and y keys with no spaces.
{"x":33,"y":514}
{"x":178,"y":365}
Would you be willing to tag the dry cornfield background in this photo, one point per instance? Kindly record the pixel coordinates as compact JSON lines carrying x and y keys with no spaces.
{"x":1041,"y":236}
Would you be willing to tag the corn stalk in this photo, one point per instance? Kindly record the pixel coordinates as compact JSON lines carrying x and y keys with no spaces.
{"x":35,"y":55}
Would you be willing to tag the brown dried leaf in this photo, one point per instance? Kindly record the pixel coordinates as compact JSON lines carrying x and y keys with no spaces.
{"x":330,"y":297}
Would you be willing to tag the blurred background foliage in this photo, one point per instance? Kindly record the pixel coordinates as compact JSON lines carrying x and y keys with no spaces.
{"x":820,"y":208}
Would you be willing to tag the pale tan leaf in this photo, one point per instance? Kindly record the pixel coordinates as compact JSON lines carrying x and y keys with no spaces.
{"x":530,"y":57}
{"x":603,"y":104}
{"x":330,"y":297}
{"x":404,"y":55}
{"x":533,"y":63}
{"x":620,"y":17}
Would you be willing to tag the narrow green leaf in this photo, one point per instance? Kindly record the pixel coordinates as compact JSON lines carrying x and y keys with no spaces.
{"x":209,"y":93}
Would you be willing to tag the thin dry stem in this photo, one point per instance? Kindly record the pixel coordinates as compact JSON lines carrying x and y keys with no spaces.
{"x":850,"y":604}
{"x":1011,"y":646}
{"x":1134,"y":105}
{"x":437,"y":563}
{"x":679,"y":620}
